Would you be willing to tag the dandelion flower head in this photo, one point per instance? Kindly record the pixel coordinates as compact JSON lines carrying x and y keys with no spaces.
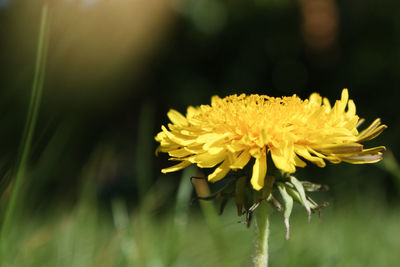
{"x":233,"y":130}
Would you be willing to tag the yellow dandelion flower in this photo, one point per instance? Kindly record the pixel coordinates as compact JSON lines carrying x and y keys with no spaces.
{"x":234,"y":129}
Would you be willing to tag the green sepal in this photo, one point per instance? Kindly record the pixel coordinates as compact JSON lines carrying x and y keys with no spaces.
{"x":240,"y":193}
{"x":275,"y":202}
{"x":288,"y":206}
{"x":293,"y":193}
{"x":296,"y":197}
{"x":268,"y":186}
{"x":302,"y":193}
{"x":311,"y":187}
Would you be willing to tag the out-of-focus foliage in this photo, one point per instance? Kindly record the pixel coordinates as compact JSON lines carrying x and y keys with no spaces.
{"x":347,"y":235}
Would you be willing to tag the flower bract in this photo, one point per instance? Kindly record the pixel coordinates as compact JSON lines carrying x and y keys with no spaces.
{"x":233,"y":130}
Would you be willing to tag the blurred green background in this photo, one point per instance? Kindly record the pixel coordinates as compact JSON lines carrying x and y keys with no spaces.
{"x":79,"y":182}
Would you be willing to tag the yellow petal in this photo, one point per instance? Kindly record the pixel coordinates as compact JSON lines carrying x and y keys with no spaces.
{"x":207,"y":160}
{"x":334,"y":159}
{"x":191,"y":111}
{"x":372,"y":134}
{"x":326,"y":104}
{"x":166,"y":148}
{"x":264,"y":136}
{"x":179,"y":153}
{"x":315,"y":99}
{"x":177,"y":118}
{"x":215,"y":100}
{"x":298,"y":162}
{"x":351,"y":109}
{"x":219,"y":172}
{"x":363,"y":158}
{"x":234,"y":129}
{"x":259,"y":172}
{"x":215,"y":150}
{"x":207,"y":137}
{"x":373,"y":150}
{"x":345,"y":95}
{"x":214,"y":139}
{"x":369,"y":129}
{"x":176,"y":167}
{"x":178,"y":138}
{"x":303,"y":152}
{"x":370,"y":155}
{"x":236,"y":146}
{"x":281,"y":162}
{"x":283,"y":157}
{"x":341,"y":104}
{"x":160,"y":136}
{"x":195,"y":149}
{"x":360,"y":122}
{"x":241,"y":161}
{"x":339,"y":148}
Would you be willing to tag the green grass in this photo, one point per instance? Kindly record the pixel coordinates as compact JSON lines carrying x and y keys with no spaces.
{"x":20,"y":172}
{"x":364,"y":233}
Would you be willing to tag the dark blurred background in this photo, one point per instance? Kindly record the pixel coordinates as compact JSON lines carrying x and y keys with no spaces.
{"x":114,"y":68}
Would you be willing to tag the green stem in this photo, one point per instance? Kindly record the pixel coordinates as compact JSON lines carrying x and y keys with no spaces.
{"x":260,"y":258}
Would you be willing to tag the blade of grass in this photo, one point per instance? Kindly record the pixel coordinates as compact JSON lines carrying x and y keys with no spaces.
{"x":78,"y":238}
{"x":30,"y":124}
{"x":180,"y":217}
{"x":211,"y":216}
{"x":126,"y":242}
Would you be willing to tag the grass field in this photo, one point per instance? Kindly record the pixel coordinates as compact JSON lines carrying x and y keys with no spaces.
{"x":364,"y":232}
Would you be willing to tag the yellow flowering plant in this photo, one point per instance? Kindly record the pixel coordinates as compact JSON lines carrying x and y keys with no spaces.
{"x":251,"y":130}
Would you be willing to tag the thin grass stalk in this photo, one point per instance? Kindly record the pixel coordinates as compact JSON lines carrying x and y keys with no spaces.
{"x":29,"y":129}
